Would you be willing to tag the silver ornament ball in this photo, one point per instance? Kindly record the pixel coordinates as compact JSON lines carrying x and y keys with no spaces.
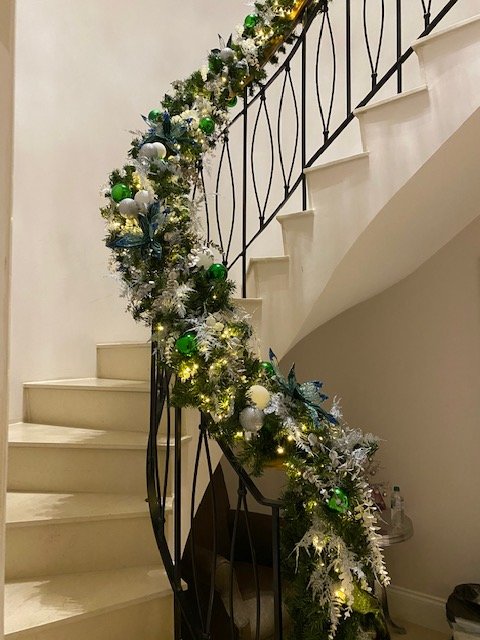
{"x":227,"y":54}
{"x":128,"y":208}
{"x":251,"y":420}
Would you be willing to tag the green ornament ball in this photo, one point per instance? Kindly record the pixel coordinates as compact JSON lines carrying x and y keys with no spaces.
{"x":339,"y":501}
{"x":232,"y":102}
{"x":268,"y":368}
{"x":217,"y":271}
{"x":207,"y":125}
{"x":154,"y":115}
{"x":120,"y":191}
{"x":187,"y":344}
{"x":250,"y":21}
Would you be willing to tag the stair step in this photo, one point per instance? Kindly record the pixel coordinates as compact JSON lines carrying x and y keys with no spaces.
{"x":55,"y":458}
{"x":282,"y":218}
{"x":120,"y":360}
{"x":134,"y":602}
{"x":439,"y":34}
{"x":89,"y":403}
{"x":61,"y":533}
{"x":333,"y":164}
{"x":393,"y":100}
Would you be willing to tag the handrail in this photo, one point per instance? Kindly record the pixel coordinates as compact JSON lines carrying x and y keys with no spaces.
{"x":194,"y":609}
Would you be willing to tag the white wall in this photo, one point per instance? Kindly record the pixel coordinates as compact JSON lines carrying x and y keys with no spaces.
{"x":86,"y":70}
{"x":407,"y":366}
{"x":6,"y":127}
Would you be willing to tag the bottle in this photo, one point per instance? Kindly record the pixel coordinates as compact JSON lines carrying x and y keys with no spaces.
{"x":397,"y":508}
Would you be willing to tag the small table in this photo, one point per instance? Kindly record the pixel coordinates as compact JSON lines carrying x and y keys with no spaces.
{"x":390,"y":535}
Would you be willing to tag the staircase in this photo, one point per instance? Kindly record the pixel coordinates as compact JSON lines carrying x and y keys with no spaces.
{"x":377,"y":215}
{"x":81,"y":559}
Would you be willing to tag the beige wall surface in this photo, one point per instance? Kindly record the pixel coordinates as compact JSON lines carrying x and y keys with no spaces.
{"x":6,"y":125}
{"x":86,"y":70}
{"x":406,"y":364}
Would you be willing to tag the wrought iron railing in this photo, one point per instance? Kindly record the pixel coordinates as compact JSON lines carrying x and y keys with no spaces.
{"x":340,"y":60}
{"x":202,"y":574}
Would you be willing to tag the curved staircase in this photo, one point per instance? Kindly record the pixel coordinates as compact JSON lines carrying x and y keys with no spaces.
{"x":81,"y":558}
{"x":377,"y":215}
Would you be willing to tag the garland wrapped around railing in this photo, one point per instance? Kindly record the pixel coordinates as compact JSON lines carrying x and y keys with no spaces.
{"x":173,"y":283}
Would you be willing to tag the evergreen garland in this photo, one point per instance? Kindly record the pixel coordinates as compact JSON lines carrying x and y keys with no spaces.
{"x":330,"y":541}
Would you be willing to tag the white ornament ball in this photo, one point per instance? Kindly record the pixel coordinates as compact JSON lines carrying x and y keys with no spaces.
{"x":144,"y":197}
{"x":128,"y":208}
{"x":259,"y":396}
{"x":219,"y":326}
{"x":211,"y":321}
{"x":160,"y":150}
{"x":227,"y":54}
{"x":251,"y":420}
{"x":147,"y":151}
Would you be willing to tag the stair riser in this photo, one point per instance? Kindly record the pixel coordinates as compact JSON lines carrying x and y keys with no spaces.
{"x":64,"y":470}
{"x":53,"y":549}
{"x":148,"y":620}
{"x":122,"y":410}
{"x":122,"y":362}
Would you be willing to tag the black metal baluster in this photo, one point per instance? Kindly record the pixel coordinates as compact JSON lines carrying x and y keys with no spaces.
{"x":207,"y":212}
{"x":303,"y":149}
{"x":325,"y":114}
{"x":374,"y":59}
{"x":254,"y":559}
{"x":177,"y":519}
{"x":277,"y":578}
{"x":214,"y":528}
{"x":399,"y":45}
{"x":244,"y":194}
{"x":427,"y":12}
{"x":226,"y":153}
{"x":262,"y":208}
{"x":287,"y":176}
{"x":240,"y":493}
{"x":192,"y":527}
{"x":217,"y":212}
{"x":348,"y":56}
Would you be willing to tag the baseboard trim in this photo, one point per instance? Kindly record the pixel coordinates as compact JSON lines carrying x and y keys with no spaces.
{"x":418,"y":608}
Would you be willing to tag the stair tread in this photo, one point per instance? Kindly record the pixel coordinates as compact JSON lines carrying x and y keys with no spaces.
{"x":94,"y":384}
{"x":297,"y":215}
{"x":398,"y":97}
{"x":27,"y":508}
{"x":23,"y":434}
{"x":439,"y":33}
{"x":59,"y":599}
{"x":338,"y":162}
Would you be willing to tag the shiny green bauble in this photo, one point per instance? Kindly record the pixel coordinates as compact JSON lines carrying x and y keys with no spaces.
{"x":217,"y":271}
{"x":268,"y":368}
{"x":207,"y":125}
{"x":250,"y":21}
{"x":339,"y":501}
{"x":187,"y":344}
{"x":232,"y":102}
{"x":154,"y":115}
{"x":120,"y":191}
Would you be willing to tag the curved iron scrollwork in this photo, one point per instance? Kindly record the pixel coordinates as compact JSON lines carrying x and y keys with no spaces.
{"x":264,"y":133}
{"x":215,"y":545}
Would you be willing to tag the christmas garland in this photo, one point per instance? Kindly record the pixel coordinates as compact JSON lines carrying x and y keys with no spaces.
{"x":173,"y":283}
